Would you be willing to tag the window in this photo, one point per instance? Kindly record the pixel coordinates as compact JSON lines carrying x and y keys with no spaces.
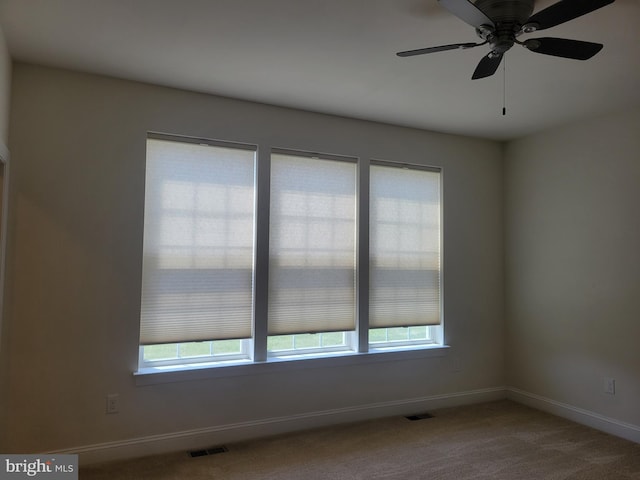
{"x":404,"y":249}
{"x":197,"y":274}
{"x":312,"y":257}
{"x":199,"y":282}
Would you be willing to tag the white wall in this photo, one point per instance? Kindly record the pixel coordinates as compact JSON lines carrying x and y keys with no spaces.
{"x":78,"y":150}
{"x":572,"y":269}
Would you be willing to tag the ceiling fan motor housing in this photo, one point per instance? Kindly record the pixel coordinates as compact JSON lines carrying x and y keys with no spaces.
{"x":508,"y":17}
{"x":513,"y":12}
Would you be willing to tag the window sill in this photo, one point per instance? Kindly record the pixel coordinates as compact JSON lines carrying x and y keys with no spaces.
{"x":203,"y":371}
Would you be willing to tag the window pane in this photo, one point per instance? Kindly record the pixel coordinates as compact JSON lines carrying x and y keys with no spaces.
{"x":194,"y":349}
{"x":280,"y":342}
{"x":160,"y":352}
{"x":302,"y":343}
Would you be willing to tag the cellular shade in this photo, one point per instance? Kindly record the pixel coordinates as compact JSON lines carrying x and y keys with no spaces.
{"x":312,"y":245}
{"x":197,"y":276}
{"x":404,"y":247}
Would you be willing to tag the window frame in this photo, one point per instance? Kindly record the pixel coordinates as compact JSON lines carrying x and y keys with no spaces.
{"x":349,"y":347}
{"x":177,"y":361}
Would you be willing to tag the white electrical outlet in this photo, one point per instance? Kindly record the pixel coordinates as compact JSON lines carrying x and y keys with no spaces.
{"x":609,"y":386}
{"x":113,"y":403}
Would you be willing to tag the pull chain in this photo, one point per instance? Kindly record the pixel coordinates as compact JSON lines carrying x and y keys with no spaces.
{"x":504,"y":86}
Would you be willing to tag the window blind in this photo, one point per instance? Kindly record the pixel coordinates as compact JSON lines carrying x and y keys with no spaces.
{"x":404,"y":247}
{"x":312,"y":245}
{"x":197,"y":275}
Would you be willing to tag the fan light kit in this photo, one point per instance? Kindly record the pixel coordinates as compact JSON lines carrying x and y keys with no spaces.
{"x":500,"y":23}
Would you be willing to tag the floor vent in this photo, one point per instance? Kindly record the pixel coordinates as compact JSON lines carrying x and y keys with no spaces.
{"x":208,"y":451}
{"x":420,"y":416}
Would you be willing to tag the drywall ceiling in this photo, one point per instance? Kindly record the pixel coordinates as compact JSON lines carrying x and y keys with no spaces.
{"x":338,"y":57}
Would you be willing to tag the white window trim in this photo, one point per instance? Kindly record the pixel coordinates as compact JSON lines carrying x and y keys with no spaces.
{"x":193,"y":372}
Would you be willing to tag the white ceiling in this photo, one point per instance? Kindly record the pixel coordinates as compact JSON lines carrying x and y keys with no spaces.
{"x":337,"y":56}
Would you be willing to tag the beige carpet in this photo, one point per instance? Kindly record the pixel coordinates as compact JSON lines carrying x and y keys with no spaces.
{"x":498,"y":440}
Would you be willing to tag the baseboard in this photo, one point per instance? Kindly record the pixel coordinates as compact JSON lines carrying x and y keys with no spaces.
{"x":221,"y":434}
{"x":576,"y":414}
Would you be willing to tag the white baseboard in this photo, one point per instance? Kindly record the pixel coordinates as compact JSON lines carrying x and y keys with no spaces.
{"x":575,"y":414}
{"x":221,"y":434}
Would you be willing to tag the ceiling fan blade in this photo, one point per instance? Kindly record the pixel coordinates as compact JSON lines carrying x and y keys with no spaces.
{"x":565,"y":10}
{"x":487,"y":66}
{"x":467,"y":12}
{"x":561,"y":47}
{"x":441,"y":48}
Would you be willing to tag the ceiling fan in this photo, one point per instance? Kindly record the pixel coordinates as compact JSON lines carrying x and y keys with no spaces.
{"x":500,"y":23}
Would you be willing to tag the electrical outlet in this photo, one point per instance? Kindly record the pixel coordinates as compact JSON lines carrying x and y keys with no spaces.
{"x":609,"y":386}
{"x":113,"y":403}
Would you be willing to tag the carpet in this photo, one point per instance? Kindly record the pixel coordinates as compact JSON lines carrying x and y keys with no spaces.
{"x":497,"y":440}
